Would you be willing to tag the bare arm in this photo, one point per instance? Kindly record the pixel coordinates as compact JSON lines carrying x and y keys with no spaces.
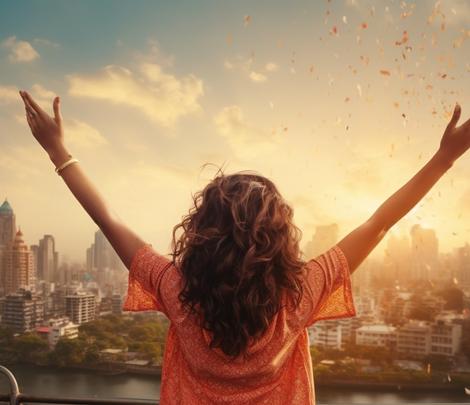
{"x":48,"y":131}
{"x":358,"y":244}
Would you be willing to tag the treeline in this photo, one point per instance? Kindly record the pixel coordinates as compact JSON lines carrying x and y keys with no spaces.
{"x":142,"y":333}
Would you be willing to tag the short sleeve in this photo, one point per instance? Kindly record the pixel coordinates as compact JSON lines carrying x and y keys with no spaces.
{"x":145,"y":278}
{"x":328,"y":287}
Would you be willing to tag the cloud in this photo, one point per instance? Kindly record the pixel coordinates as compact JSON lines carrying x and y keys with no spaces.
{"x":245,"y":139}
{"x":42,"y":92}
{"x":162,"y":97}
{"x":20,"y":51}
{"x":46,"y":42}
{"x":8,"y":94}
{"x":246,"y":67}
{"x":257,"y":77}
{"x":80,"y":134}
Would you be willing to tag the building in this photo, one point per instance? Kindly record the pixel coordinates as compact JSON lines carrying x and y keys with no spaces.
{"x":17,"y":266}
{"x":326,"y":334}
{"x":324,"y":238}
{"x":378,"y":335}
{"x":7,"y":224}
{"x":414,"y":338}
{"x":102,"y":258}
{"x":23,"y":311}
{"x":117,"y":304}
{"x":424,"y":253}
{"x":80,"y":307}
{"x":48,"y":259}
{"x":446,"y":338}
{"x":61,"y":328}
{"x":397,"y":257}
{"x":7,"y":234}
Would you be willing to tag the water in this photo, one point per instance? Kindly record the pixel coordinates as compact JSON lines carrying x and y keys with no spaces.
{"x":79,"y":383}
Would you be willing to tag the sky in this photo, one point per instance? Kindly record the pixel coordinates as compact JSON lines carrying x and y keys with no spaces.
{"x":338,"y":102}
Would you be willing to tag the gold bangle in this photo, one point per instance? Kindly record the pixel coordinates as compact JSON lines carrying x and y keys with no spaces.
{"x":64,"y":165}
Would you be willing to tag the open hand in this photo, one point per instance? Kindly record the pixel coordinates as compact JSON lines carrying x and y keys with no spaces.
{"x":456,"y":140}
{"x":47,"y":130}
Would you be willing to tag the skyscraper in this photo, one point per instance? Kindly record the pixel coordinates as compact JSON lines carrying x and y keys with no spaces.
{"x":48,"y":259}
{"x":7,"y":234}
{"x":18,"y":266}
{"x":324,"y":238}
{"x":424,"y":253}
{"x":7,"y":224}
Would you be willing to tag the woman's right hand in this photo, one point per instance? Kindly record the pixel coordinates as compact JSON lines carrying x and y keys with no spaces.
{"x":456,"y":140}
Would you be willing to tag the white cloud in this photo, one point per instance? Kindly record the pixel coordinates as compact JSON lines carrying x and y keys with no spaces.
{"x":246,"y":139}
{"x":246,"y":67}
{"x":80,"y":134}
{"x":20,"y":51}
{"x":42,"y":92}
{"x":271,"y":67}
{"x":46,"y":42}
{"x":8,"y":94}
{"x":163,"y":97}
{"x":257,"y":77}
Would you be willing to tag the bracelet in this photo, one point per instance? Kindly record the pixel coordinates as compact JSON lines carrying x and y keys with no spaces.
{"x":64,"y":165}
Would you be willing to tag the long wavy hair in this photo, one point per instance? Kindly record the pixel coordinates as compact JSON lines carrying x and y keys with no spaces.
{"x":238,"y":252}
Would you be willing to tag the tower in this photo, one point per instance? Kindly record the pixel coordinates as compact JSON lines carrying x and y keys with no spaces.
{"x":18,"y":266}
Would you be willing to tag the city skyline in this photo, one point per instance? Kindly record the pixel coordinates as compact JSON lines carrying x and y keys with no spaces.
{"x":339,"y":103}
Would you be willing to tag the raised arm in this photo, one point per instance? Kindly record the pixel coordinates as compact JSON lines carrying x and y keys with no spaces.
{"x":360,"y":242}
{"x":48,"y":131}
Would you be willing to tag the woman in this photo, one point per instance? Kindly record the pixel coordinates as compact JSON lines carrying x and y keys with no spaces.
{"x":238,"y":297}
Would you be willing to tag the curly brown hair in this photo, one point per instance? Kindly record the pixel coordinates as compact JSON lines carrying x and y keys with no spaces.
{"x":238,"y":251}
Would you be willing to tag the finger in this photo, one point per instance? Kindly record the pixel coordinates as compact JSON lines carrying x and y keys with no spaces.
{"x":27,"y":105}
{"x":57,"y":114}
{"x":455,"y":117}
{"x":33,"y":103}
{"x":32,"y":123}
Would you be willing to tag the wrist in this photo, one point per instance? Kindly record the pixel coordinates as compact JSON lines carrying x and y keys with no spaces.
{"x":59,"y":155}
{"x":443,"y":160}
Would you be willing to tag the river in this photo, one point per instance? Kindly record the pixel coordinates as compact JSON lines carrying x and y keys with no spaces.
{"x":76,"y":383}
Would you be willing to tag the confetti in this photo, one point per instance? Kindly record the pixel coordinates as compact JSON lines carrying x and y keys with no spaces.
{"x":363,"y":25}
{"x":345,"y":20}
{"x":359,"y":89}
{"x":247,"y":20}
{"x":334,"y":30}
{"x":385,"y":72}
{"x":404,"y":38}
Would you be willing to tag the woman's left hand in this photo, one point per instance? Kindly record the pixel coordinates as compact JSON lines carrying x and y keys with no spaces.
{"x":47,"y":130}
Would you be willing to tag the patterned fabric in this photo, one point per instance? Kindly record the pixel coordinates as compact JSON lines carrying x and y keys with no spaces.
{"x":278,"y":366}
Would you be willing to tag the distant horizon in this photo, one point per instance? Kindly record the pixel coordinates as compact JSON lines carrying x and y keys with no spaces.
{"x":338,"y":103}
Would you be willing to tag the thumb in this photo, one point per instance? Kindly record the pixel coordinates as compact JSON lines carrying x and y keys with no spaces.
{"x":56,"y":105}
{"x":455,"y":117}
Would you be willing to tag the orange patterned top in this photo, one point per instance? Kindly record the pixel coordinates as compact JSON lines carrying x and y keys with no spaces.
{"x":278,"y":367}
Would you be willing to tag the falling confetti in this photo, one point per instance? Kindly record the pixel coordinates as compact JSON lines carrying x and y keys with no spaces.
{"x":363,"y":25}
{"x":385,"y":72}
{"x":345,"y":20}
{"x":404,"y":39}
{"x":247,"y":20}
{"x":359,"y":89}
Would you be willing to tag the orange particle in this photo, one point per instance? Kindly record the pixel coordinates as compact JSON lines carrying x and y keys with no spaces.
{"x":385,"y":72}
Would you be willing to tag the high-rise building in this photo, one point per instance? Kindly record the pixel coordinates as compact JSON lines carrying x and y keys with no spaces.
{"x":102,"y":257}
{"x":324,"y":238}
{"x":80,"y":307}
{"x":424,"y":253}
{"x":7,"y":224}
{"x":18,"y":266}
{"x":397,"y":258}
{"x":23,"y":311}
{"x":463,"y":266}
{"x":48,"y":259}
{"x":7,"y":234}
